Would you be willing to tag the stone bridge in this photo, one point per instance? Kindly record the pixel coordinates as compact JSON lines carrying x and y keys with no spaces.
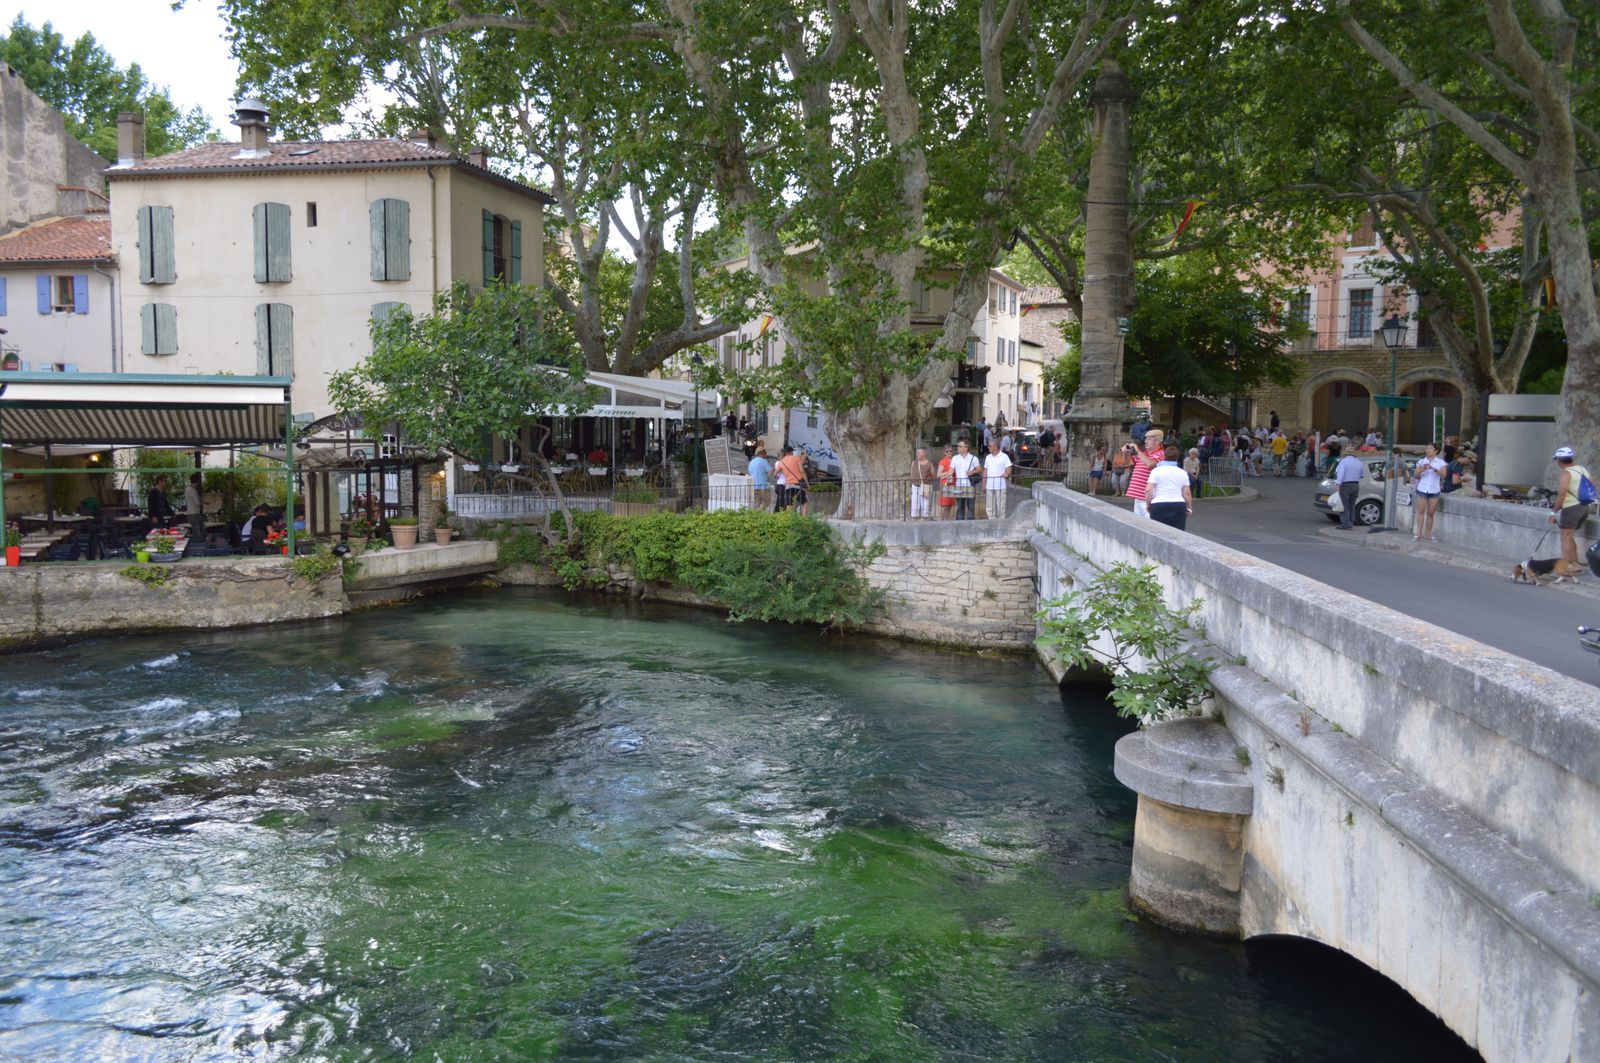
{"x":1420,"y":801}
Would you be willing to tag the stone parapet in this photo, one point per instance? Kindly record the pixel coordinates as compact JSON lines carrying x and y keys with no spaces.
{"x":42,"y":603}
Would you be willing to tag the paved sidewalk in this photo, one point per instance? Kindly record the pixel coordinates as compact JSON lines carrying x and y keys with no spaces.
{"x":1455,"y":555}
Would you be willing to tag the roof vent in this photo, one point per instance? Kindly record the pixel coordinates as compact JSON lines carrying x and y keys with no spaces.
{"x":250,"y":115}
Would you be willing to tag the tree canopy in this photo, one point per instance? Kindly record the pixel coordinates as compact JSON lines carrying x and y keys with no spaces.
{"x":86,"y":85}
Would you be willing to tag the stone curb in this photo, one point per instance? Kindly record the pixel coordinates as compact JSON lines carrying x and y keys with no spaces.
{"x":1401,"y":543}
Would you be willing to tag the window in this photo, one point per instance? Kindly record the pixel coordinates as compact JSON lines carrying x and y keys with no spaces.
{"x":158,"y":328}
{"x":391,"y":239}
{"x":271,"y":224}
{"x":502,"y":248}
{"x":64,"y":294}
{"x":973,"y":354}
{"x":919,"y":297}
{"x":1013,"y":304}
{"x":1300,"y":309}
{"x":994,"y":298}
{"x":157,"y":263}
{"x":274,"y":339}
{"x":311,"y":215}
{"x":727,"y":353}
{"x":1365,"y":234}
{"x":1360,"y":313}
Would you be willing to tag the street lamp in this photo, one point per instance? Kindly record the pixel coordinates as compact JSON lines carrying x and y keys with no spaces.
{"x":1393,"y":332}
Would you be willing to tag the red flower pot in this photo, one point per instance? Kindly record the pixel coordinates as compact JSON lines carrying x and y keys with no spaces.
{"x":13,"y":556}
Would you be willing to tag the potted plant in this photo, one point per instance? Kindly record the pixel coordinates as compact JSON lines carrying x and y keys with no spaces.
{"x":405,"y":532}
{"x":140,"y":551}
{"x":277,"y":538}
{"x":13,"y":546}
{"x":360,"y":531}
{"x":441,"y":527}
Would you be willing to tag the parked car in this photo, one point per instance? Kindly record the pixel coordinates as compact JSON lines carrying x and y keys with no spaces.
{"x":1025,"y":446}
{"x":1369,"y":499}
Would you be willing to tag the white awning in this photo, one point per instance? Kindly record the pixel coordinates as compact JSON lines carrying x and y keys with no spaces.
{"x":127,"y":409}
{"x":646,"y":398}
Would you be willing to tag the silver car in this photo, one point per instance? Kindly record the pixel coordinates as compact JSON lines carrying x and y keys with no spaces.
{"x":1369,"y":498}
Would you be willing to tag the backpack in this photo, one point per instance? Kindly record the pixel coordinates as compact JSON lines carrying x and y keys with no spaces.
{"x":1586,"y":492}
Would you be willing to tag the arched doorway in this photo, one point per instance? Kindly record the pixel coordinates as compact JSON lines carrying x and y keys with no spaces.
{"x":1341,"y":404}
{"x":1416,"y":424}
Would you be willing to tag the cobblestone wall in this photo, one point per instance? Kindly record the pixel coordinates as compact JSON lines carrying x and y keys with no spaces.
{"x":978,"y":594}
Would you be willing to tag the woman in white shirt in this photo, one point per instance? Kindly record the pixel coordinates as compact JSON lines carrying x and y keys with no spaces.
{"x":1428,"y":487}
{"x":1167,"y":493}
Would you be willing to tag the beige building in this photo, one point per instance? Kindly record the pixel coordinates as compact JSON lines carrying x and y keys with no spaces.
{"x":273,"y":257}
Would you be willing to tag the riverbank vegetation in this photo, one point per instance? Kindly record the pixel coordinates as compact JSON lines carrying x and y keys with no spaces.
{"x":761,"y":566}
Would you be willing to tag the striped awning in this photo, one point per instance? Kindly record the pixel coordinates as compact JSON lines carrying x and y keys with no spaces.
{"x":125,"y":409}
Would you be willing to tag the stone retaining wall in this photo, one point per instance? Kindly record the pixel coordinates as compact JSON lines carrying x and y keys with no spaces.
{"x":41,"y":603}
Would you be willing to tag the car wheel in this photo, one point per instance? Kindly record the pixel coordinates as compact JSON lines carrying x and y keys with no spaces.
{"x":1369,"y":513}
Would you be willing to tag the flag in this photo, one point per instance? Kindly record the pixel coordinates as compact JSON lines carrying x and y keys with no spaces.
{"x":766,"y":323}
{"x":1548,"y":293}
{"x":1188,"y":214}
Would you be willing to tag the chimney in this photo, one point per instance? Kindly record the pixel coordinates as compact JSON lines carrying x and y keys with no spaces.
{"x":424,"y":137}
{"x":479,"y":157}
{"x":130,"y":138}
{"x":250,"y":115}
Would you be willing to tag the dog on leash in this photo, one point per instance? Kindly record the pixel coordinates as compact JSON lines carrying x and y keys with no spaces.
{"x":1545,"y":570}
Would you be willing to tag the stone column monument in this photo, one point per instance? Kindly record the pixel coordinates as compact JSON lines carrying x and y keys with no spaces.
{"x":1097,"y":410}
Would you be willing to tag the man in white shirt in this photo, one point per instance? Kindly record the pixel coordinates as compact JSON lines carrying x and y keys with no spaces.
{"x":963,"y":470}
{"x":996,"y":471}
{"x":1349,"y":472}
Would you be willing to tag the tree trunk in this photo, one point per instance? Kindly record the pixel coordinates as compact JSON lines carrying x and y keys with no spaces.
{"x":877,"y":443}
{"x":1096,"y":417}
{"x":1578,"y":417}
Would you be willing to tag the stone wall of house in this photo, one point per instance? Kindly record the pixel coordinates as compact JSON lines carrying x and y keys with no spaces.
{"x":43,"y":603}
{"x":37,"y":155}
{"x":978,"y":595}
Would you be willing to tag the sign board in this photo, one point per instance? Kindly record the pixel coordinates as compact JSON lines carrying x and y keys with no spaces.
{"x":719,"y":462}
{"x":1519,"y":435}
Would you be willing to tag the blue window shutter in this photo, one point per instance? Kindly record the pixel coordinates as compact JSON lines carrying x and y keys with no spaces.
{"x":147,"y":329}
{"x":80,"y":293}
{"x":2,"y":297}
{"x":44,"y":294}
{"x":516,"y":252}
{"x":488,"y":247}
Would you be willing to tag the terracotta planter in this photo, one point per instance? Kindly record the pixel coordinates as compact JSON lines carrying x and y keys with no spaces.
{"x":286,"y":550}
{"x":358,"y":545}
{"x":442,"y":535}
{"x":405,"y":536}
{"x":13,"y":556}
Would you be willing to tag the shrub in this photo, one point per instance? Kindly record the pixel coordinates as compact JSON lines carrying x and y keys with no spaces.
{"x":316,"y":567}
{"x":1125,"y":605}
{"x":155,"y":576}
{"x":404,"y":522}
{"x":636,"y":493}
{"x":441,"y":519}
{"x":762,"y":566}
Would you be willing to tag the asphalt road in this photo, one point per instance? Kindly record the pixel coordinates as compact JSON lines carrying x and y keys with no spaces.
{"x":1539,"y":623}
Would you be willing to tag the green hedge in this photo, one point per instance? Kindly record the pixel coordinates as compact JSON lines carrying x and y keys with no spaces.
{"x":762,"y":566}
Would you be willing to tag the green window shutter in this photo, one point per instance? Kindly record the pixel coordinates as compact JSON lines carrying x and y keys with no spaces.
{"x":258,"y":226}
{"x":380,"y":260}
{"x":163,"y":266}
{"x":281,"y":318}
{"x":516,"y":252}
{"x":146,"y":247}
{"x":147,"y":329}
{"x":166,"y":328}
{"x":397,"y":238}
{"x":277,"y":242}
{"x":488,"y":247}
{"x":270,"y":222}
{"x":263,"y":339}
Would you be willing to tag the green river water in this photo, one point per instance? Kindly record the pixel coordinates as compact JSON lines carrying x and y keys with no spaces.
{"x":504,"y":826}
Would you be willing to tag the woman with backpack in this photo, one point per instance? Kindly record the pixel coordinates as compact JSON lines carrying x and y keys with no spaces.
{"x":1574,"y":500}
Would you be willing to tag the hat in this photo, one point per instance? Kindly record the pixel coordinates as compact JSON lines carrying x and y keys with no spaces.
{"x":1563,"y":454}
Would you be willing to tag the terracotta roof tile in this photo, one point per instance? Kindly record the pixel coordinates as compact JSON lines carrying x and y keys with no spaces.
{"x":224,"y":157}
{"x":308,"y":153}
{"x":59,"y":240}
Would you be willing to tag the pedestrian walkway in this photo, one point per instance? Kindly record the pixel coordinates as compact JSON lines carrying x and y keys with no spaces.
{"x":1455,"y":555}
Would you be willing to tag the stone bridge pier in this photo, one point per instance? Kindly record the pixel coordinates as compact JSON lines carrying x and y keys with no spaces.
{"x":1422,"y":802}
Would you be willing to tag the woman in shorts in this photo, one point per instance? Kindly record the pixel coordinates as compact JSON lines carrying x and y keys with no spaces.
{"x":1429,"y":476}
{"x":1097,"y":469}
